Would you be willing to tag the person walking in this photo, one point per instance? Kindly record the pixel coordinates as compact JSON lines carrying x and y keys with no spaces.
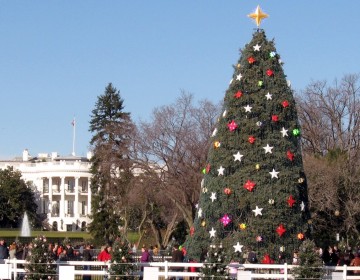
{"x":4,"y":252}
{"x":12,"y":250}
{"x":70,"y":252}
{"x":177,"y":257}
{"x":145,"y":258}
{"x":356,"y":262}
{"x":87,"y":257}
{"x":105,"y":256}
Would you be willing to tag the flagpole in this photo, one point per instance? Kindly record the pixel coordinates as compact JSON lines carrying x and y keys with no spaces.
{"x":74,"y":125}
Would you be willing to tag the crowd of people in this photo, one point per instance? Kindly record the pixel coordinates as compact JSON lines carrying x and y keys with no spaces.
{"x":58,"y":251}
{"x":14,"y":250}
{"x":331,"y":255}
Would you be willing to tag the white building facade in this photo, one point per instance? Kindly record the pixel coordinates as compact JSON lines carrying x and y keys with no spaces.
{"x":62,"y":187}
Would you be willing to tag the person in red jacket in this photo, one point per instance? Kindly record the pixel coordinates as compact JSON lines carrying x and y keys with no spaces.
{"x":267,"y":259}
{"x":104,"y":255}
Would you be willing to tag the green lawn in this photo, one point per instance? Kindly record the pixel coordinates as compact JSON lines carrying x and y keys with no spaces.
{"x":57,"y":234}
{"x":12,"y":234}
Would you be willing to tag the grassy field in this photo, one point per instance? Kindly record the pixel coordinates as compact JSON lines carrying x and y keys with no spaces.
{"x":56,"y":234}
{"x":13,"y":234}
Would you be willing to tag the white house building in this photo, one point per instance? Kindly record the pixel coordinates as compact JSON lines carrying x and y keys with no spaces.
{"x":62,"y":185}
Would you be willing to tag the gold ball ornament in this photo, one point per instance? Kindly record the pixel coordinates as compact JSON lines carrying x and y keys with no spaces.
{"x":337,"y":213}
{"x":257,"y":166}
{"x":203,"y":223}
{"x":300,"y":236}
{"x":301,"y":180}
{"x":238,"y":66}
{"x":242,"y":226}
{"x":217,"y":144}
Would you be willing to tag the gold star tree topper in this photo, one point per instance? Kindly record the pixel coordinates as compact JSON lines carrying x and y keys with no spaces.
{"x":258,"y":15}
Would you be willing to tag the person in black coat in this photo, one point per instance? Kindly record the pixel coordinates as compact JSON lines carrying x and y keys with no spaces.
{"x":87,"y":256}
{"x":177,"y":257}
{"x":70,"y":252}
{"x":4,"y":251}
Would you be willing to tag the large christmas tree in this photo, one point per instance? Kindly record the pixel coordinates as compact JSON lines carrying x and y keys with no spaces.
{"x":254,"y":192}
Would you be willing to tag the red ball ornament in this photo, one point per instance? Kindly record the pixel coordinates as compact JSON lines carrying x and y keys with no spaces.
{"x":280,"y":230}
{"x":269,"y":72}
{"x":285,"y":103}
{"x":300,"y":236}
{"x":251,"y":139}
{"x":291,"y":201}
{"x":290,"y":155}
{"x":249,"y":185}
{"x":207,"y":168}
{"x":192,"y":231}
{"x":238,"y":94}
{"x":275,"y":118}
{"x":227,"y":191}
{"x":251,"y":60}
{"x":232,"y":125}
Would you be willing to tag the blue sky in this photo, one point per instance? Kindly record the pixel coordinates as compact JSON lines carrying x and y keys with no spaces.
{"x":56,"y":57}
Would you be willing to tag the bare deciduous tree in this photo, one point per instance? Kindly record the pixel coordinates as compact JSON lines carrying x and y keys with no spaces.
{"x":330,"y":120}
{"x":176,"y":143}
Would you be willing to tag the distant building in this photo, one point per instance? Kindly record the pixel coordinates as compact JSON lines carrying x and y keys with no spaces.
{"x":62,"y":187}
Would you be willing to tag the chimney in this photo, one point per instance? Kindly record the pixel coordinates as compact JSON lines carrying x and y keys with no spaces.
{"x":26,"y":155}
{"x":54,"y":155}
{"x":89,"y":155}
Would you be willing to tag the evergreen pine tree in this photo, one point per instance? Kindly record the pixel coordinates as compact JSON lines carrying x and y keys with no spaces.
{"x":214,"y":263}
{"x":254,"y":191}
{"x":111,"y":164}
{"x":121,"y":260}
{"x":310,"y":262}
{"x":41,"y":262}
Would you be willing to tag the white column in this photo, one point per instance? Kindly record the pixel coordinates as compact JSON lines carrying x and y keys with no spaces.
{"x":62,"y":199}
{"x":89,"y":198}
{"x":50,"y":197}
{"x":76,"y":203}
{"x":41,"y":202}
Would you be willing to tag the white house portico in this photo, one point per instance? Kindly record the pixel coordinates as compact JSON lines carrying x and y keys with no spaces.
{"x":62,"y":187}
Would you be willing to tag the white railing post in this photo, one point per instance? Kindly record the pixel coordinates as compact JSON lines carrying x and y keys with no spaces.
{"x":344,"y":272}
{"x":166,"y":270}
{"x":285,"y":271}
{"x":66,"y":272}
{"x":14,"y":265}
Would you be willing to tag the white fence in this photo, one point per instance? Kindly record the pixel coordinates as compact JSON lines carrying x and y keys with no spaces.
{"x":14,"y":269}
